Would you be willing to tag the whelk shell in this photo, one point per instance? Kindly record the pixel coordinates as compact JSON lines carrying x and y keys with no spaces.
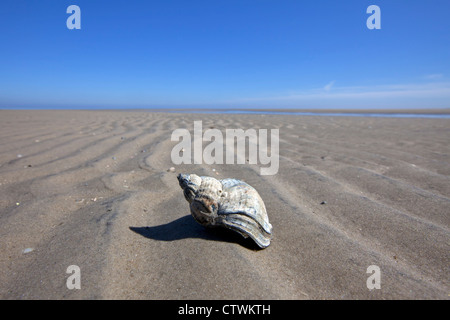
{"x":228,"y":203}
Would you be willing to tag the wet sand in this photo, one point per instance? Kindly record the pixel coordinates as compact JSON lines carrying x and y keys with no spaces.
{"x":92,"y":189}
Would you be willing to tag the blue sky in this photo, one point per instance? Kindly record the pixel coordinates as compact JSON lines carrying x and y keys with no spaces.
{"x":225,"y":54}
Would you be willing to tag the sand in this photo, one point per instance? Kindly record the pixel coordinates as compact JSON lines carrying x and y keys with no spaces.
{"x":92,"y":189}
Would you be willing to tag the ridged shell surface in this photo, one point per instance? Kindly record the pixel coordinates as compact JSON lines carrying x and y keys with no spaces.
{"x":228,"y":203}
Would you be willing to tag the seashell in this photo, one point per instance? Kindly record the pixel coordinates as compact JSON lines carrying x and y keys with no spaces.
{"x":228,"y":203}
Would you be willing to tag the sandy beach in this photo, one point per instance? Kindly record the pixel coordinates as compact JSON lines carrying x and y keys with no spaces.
{"x":94,"y":189}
